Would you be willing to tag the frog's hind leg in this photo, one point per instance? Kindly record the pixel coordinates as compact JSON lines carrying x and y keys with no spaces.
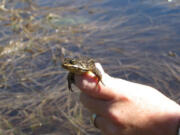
{"x":98,"y":73}
{"x":70,"y":79}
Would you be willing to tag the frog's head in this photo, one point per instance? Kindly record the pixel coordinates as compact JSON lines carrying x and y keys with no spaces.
{"x":73,"y":65}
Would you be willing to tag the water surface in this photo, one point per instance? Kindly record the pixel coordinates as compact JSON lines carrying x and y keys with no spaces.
{"x":137,"y":40}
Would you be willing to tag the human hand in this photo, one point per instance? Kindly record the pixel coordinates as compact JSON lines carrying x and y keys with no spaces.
{"x":126,"y":108}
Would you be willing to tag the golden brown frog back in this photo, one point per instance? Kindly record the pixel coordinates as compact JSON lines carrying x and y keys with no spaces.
{"x":79,"y":65}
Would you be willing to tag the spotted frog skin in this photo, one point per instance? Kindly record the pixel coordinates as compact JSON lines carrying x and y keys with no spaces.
{"x":79,"y":66}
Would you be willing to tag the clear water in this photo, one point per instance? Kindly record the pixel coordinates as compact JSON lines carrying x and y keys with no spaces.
{"x":137,"y":40}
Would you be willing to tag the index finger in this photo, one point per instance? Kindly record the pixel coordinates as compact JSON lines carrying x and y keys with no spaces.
{"x":90,"y":85}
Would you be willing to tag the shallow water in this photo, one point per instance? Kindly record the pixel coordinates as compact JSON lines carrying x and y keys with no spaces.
{"x":136,"y":40}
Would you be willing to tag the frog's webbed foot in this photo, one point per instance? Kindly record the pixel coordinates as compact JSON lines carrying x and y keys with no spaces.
{"x":70,"y":79}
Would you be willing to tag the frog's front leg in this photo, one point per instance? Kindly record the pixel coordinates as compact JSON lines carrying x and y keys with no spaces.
{"x":70,"y":79}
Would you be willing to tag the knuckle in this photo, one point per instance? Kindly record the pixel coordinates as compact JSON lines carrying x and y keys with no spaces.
{"x":112,"y":112}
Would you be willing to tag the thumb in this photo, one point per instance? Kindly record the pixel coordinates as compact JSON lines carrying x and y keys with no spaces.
{"x":99,"y":89}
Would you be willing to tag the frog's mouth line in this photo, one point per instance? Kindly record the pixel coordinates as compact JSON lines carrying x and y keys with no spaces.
{"x":67,"y":66}
{"x":74,"y":68}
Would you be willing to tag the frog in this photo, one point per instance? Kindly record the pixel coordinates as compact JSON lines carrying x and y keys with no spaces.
{"x":80,"y":66}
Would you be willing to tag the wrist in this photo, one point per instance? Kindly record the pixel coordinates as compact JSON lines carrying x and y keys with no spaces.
{"x":167,"y":122}
{"x":172,"y":118}
{"x":173,"y":122}
{"x":175,"y":125}
{"x":178,"y":126}
{"x":178,"y":129}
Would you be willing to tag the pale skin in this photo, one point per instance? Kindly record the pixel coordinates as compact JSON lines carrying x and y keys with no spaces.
{"x":126,"y":108}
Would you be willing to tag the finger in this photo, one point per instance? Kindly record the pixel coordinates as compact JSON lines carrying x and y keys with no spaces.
{"x":100,"y":107}
{"x":106,"y":126}
{"x":88,"y":84}
{"x":111,"y":89}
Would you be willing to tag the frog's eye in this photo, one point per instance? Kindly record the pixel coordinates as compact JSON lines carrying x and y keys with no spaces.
{"x":71,"y":61}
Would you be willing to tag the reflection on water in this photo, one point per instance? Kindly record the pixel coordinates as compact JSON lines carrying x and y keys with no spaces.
{"x":137,"y":40}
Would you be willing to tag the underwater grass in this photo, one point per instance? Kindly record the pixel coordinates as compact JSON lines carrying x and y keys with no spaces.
{"x":33,"y":89}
